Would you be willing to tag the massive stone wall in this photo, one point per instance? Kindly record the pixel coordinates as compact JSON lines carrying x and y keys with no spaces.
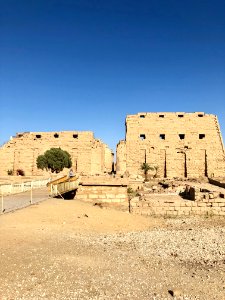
{"x":178,"y":144}
{"x":89,"y":155}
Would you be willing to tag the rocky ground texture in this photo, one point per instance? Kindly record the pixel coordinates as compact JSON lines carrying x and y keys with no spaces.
{"x":73,"y":250}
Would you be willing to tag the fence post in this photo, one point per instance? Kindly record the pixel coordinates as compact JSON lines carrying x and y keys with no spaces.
{"x":31,"y":195}
{"x":2,"y":202}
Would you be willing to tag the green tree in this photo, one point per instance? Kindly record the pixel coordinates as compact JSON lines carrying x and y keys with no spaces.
{"x":55,"y":160}
{"x":146,"y":167}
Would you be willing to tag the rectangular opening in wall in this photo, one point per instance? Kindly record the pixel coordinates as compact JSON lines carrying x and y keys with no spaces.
{"x":201,"y":136}
{"x":200,"y":115}
{"x":162,"y":136}
{"x":38,"y":136}
{"x":142,"y":116}
{"x":75,"y":136}
{"x":161,"y":116}
{"x":142,"y":137}
{"x":180,"y":116}
{"x":181,"y":136}
{"x":56,"y":135}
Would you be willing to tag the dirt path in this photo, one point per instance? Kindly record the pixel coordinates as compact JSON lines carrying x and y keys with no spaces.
{"x":74,"y":250}
{"x":16,"y":201}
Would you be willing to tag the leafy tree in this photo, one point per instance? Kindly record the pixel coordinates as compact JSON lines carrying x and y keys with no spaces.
{"x":55,"y":160}
{"x":146,"y":167}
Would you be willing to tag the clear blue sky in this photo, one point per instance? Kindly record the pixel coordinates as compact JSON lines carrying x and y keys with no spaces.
{"x":85,"y":65}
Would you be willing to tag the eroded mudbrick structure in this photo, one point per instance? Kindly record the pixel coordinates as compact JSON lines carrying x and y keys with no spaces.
{"x":89,"y":155}
{"x":177,"y":144}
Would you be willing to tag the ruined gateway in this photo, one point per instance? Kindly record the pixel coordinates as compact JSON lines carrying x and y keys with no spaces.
{"x":89,"y":155}
{"x":177,"y":144}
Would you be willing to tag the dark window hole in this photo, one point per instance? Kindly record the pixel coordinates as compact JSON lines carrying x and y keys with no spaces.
{"x":201,"y":136}
{"x":142,"y":136}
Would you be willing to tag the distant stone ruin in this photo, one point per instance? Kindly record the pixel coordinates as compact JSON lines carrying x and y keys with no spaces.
{"x":89,"y":155}
{"x":183,"y":145}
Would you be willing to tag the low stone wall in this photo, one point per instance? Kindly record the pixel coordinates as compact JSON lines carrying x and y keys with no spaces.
{"x":102,"y":193}
{"x":167,"y":205}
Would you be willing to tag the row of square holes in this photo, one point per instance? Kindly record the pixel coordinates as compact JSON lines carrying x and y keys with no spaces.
{"x":56,"y":135}
{"x":181,"y":136}
{"x":179,"y":116}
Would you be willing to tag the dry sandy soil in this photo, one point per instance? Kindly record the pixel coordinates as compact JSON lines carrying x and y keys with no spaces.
{"x":73,"y":250}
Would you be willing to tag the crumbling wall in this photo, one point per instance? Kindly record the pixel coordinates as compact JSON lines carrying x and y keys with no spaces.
{"x":109,"y":159}
{"x":179,"y":144}
{"x":121,"y":158}
{"x":89,"y":155}
{"x":168,"y":206}
{"x":174,"y":198}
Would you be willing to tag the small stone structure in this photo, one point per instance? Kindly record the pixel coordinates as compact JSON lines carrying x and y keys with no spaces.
{"x":178,"y":144}
{"x":102,"y":189}
{"x":89,"y":155}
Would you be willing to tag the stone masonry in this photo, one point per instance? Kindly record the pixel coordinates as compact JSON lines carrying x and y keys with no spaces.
{"x":103,"y":189}
{"x":89,"y":155}
{"x":178,"y":144}
{"x":195,"y":201}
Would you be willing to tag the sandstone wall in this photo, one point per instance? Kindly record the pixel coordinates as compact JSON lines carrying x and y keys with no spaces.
{"x":168,"y":206}
{"x":102,"y":194}
{"x":121,"y":154}
{"x":89,"y":155}
{"x":179,"y":144}
{"x":103,"y":189}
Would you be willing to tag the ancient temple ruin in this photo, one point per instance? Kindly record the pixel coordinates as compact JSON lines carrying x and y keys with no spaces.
{"x":89,"y":155}
{"x":176,"y":144}
{"x":183,"y":145}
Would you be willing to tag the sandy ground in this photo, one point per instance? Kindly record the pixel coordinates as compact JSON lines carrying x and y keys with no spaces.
{"x":73,"y":250}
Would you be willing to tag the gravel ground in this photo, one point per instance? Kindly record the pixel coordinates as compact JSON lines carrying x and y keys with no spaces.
{"x":70,"y":250}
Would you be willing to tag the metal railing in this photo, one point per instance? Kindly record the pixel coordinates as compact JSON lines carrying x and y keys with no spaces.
{"x":14,"y":188}
{"x":63,"y":187}
{"x":18,"y":195}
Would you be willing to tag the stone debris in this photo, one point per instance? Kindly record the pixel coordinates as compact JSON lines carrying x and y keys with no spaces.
{"x":178,"y":198}
{"x":62,"y":263}
{"x":175,"y":292}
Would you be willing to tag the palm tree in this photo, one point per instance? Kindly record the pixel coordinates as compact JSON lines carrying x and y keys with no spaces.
{"x":146,"y":167}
